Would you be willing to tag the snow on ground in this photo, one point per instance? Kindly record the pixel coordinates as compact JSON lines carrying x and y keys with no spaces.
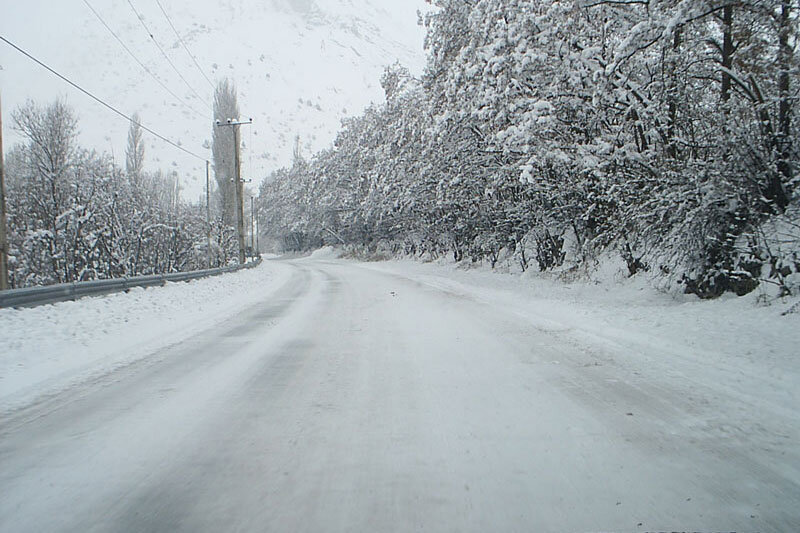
{"x":730,"y":331}
{"x":737,"y":353}
{"x":52,"y":346}
{"x":732,"y":342}
{"x":400,"y":396}
{"x":326,"y":252}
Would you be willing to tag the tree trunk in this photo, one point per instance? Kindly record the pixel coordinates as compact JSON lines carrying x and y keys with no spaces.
{"x":784,"y":106}
{"x":727,"y":53}
{"x":672,"y":149}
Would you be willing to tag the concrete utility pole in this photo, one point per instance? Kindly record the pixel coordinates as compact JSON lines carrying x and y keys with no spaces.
{"x":208,"y":217}
{"x":4,"y":248}
{"x":253,"y":225}
{"x":239,"y":183}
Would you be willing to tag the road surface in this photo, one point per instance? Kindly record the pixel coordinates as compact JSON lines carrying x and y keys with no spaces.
{"x":356,"y":400}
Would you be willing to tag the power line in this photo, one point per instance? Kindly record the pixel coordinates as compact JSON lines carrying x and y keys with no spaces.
{"x":163,"y":53}
{"x":101,"y":102}
{"x":121,"y":42}
{"x":178,"y":35}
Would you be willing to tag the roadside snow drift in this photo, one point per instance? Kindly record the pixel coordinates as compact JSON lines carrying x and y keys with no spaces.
{"x":51,"y":346}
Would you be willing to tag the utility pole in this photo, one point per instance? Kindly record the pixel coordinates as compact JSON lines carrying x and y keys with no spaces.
{"x":239,"y":183}
{"x":239,"y":193}
{"x":4,"y":248}
{"x":208,"y":218}
{"x":253,"y":225}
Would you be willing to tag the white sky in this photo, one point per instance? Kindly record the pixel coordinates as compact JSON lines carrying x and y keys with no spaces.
{"x":300,"y":67}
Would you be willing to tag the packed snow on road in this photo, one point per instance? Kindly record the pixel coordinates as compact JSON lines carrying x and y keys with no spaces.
{"x":322,"y":393}
{"x":529,"y":266}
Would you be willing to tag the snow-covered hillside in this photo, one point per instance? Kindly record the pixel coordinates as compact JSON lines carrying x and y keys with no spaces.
{"x":300,"y":67}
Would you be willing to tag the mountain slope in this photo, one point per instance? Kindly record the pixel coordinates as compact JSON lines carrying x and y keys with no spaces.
{"x":300,"y":67}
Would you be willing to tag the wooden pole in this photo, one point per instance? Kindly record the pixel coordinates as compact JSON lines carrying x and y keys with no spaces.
{"x":208,"y":217}
{"x":238,"y":182}
{"x":239,"y":194}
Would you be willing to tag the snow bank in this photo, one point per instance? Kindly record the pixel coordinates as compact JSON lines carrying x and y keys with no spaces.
{"x":49,"y":347}
{"x":739,"y":345}
{"x":326,"y":252}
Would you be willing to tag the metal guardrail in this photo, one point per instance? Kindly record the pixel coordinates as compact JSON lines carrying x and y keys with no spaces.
{"x":48,"y":294}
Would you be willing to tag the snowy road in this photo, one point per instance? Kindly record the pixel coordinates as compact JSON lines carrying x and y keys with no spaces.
{"x":359,"y":400}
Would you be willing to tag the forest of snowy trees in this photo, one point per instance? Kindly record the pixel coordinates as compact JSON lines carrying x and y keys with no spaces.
{"x":76,"y":215}
{"x":555,"y":132}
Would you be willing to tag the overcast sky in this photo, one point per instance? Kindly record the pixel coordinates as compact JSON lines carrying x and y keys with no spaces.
{"x":300,"y":67}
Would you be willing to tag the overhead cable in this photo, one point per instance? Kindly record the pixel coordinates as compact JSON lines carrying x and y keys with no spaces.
{"x":163,"y":53}
{"x":178,"y":35}
{"x":141,"y":64}
{"x":100,"y":101}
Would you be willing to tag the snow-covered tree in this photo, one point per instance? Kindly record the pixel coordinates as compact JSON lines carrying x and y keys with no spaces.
{"x":663,"y":131}
{"x":134,"y":153}
{"x":74,"y":215}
